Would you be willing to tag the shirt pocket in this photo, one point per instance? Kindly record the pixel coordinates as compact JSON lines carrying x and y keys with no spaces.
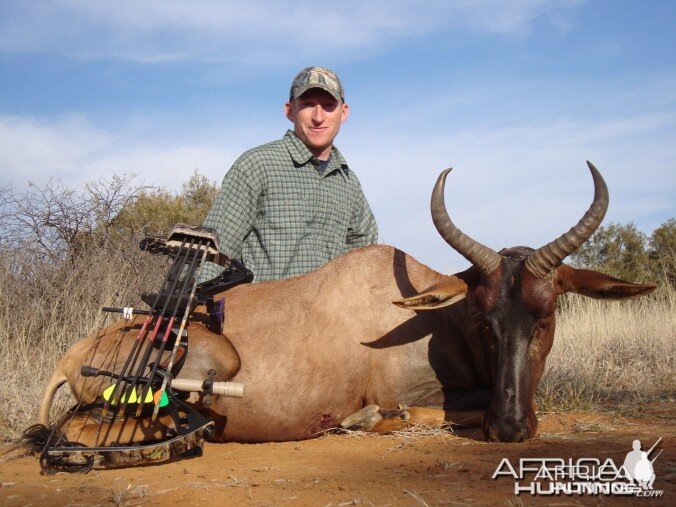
{"x":288,"y":211}
{"x":338,"y":215}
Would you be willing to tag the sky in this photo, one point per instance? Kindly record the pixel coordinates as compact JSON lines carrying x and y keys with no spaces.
{"x":514,"y":95}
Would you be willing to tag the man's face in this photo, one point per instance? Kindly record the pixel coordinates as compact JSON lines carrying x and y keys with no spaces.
{"x":316,"y":118}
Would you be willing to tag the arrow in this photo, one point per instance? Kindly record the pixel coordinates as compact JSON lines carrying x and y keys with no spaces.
{"x":184,"y":321}
{"x":133,"y":354}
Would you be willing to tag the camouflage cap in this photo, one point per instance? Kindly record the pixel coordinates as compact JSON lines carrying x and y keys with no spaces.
{"x":316,"y":77}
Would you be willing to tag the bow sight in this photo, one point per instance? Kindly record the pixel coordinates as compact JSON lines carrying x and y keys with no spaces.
{"x":146,"y":387}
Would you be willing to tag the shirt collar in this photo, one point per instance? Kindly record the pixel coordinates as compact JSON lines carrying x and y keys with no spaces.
{"x":301,"y":155}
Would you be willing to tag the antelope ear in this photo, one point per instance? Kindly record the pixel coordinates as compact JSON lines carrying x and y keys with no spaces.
{"x":437,"y":296}
{"x":597,"y":285}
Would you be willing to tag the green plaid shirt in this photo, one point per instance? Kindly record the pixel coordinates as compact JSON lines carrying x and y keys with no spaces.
{"x":277,"y":214}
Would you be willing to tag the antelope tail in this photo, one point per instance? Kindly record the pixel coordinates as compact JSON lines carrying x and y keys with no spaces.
{"x":57,"y":380}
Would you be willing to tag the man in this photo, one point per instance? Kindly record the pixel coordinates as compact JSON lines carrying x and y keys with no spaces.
{"x":287,"y":207}
{"x":632,"y":458}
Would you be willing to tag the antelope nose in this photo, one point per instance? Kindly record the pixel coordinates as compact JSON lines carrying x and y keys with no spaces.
{"x":507,"y":430}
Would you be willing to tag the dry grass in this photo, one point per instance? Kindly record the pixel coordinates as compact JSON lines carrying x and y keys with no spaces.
{"x":605,"y":352}
{"x":44,"y":310}
{"x":611,"y":353}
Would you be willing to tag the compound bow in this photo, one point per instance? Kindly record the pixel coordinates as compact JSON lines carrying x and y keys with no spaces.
{"x":146,"y":386}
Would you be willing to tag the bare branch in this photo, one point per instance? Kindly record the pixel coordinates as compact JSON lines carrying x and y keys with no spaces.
{"x":62,"y":220}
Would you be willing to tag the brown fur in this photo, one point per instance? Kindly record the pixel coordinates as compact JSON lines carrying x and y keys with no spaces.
{"x":318,"y":347}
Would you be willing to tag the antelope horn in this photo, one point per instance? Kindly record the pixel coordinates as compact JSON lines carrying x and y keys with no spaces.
{"x":484,"y":258}
{"x":546,"y":258}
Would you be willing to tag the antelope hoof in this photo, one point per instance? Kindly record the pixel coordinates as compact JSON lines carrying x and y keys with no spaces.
{"x":364,"y":420}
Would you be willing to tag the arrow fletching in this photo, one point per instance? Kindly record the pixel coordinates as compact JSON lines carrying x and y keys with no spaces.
{"x":132,"y":396}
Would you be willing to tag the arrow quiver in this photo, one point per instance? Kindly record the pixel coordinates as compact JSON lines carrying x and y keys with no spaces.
{"x":145,"y":389}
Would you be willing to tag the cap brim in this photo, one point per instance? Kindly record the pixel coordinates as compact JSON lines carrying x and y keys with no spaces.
{"x":300,"y":91}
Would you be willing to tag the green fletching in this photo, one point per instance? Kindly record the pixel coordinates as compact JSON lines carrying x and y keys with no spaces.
{"x":164,"y":401}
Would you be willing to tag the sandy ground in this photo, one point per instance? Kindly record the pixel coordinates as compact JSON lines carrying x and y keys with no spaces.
{"x":415,"y":468}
